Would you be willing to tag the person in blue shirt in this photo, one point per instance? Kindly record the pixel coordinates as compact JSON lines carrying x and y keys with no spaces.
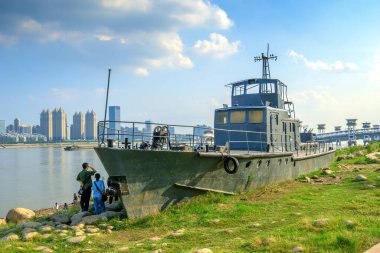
{"x":97,"y":191}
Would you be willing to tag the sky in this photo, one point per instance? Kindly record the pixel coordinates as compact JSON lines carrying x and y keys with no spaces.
{"x":170,"y":59}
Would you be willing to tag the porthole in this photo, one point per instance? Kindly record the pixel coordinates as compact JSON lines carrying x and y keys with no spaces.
{"x":248,"y":164}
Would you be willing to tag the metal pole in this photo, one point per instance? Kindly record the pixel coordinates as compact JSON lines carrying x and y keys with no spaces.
{"x":105,"y":110}
{"x":133,"y":133}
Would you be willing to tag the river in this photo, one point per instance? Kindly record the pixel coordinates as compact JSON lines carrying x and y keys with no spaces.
{"x":37,"y":178}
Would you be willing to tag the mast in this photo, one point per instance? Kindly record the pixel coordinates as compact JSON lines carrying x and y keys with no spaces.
{"x":265,"y":59}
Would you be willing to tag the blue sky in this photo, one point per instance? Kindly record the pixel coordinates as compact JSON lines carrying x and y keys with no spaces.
{"x":170,"y":59}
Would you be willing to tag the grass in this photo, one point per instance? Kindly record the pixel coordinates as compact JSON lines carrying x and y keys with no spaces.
{"x":283,"y":212}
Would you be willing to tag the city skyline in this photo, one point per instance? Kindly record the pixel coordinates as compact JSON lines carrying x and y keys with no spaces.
{"x":170,"y":62}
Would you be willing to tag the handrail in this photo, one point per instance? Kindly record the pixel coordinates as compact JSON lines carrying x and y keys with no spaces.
{"x":280,"y":142}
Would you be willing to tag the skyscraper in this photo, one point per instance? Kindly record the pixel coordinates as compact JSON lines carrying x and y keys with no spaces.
{"x":59,"y":124}
{"x":2,"y":126}
{"x":91,"y":125}
{"x":114,"y":115}
{"x":78,"y":127}
{"x":17,"y":125}
{"x":46,"y":124}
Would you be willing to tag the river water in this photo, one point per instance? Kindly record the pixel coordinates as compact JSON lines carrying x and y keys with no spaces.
{"x":37,"y":178}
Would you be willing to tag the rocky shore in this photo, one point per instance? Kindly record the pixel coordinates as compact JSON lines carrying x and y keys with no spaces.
{"x":74,"y":227}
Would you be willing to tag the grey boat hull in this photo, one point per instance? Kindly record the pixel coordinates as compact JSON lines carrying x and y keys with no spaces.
{"x":153,"y":180}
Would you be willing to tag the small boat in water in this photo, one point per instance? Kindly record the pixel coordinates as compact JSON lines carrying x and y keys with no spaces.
{"x":255,"y":141}
{"x":71,"y":148}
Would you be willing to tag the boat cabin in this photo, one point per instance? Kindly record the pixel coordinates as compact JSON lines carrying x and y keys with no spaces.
{"x":260,"y":117}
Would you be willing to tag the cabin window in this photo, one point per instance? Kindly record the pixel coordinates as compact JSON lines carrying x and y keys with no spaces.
{"x":221,"y":117}
{"x":237,"y":117}
{"x":239,"y":90}
{"x":256,"y":116}
{"x":294,"y":127}
{"x":253,"y":89}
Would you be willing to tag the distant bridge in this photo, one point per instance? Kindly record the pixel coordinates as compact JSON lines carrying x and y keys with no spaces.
{"x":345,"y":135}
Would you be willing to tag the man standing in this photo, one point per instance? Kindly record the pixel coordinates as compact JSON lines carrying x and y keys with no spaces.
{"x":84,"y":177}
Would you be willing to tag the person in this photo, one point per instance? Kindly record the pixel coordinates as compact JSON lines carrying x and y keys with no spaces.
{"x":65,"y":206}
{"x":75,"y":200}
{"x":97,"y":192}
{"x":56,"y":206}
{"x":84,"y":177}
{"x":113,"y":190}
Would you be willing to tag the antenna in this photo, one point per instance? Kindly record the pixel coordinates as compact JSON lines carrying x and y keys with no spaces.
{"x":265,"y":59}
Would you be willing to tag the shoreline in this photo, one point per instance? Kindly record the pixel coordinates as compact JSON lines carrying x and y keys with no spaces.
{"x":87,"y":145}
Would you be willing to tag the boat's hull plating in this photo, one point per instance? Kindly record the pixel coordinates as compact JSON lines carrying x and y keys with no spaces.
{"x":153,"y":180}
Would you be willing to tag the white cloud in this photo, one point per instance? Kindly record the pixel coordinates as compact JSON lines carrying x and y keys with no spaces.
{"x":141,"y":71}
{"x":218,"y":46}
{"x":172,"y":46}
{"x":7,"y":40}
{"x":338,"y":66}
{"x":128,"y":5}
{"x":104,"y":37}
{"x":198,"y":13}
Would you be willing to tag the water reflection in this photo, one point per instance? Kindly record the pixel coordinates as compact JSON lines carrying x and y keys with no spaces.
{"x":38,"y":177}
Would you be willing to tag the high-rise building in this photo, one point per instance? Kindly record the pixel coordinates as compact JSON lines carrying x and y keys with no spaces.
{"x":68,"y":132}
{"x":148,"y":127}
{"x":25,"y":129}
{"x":9,"y":128}
{"x":2,"y":126}
{"x":78,"y":127}
{"x":59,"y":124}
{"x":36,"y":129}
{"x":16,"y":125}
{"x":114,"y":118}
{"x":46,"y":124}
{"x":91,"y":125}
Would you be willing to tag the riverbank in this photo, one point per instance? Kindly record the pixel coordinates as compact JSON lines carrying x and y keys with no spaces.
{"x":330,"y":210}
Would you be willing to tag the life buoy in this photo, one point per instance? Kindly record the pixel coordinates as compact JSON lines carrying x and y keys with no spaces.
{"x":235,"y":162}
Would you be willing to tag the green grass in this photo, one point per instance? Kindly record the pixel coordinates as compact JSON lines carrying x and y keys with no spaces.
{"x":222,"y":223}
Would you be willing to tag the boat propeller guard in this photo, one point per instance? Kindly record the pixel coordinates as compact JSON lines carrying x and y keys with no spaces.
{"x":234,"y":168}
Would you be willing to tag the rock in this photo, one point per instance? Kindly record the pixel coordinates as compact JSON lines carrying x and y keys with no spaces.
{"x":92,"y":230}
{"x":314,"y":177}
{"x":355,"y":170}
{"x":94,"y":234}
{"x":61,"y":218}
{"x":76,"y":218}
{"x":156,"y":251}
{"x":10,"y":237}
{"x":164,"y":244}
{"x":255,"y":225}
{"x":110,"y":214}
{"x":360,"y":177}
{"x":79,"y":233}
{"x":268,"y":241}
{"x":78,"y":227}
{"x":339,"y":158}
{"x":115,"y":206}
{"x":349,"y":157}
{"x":155,"y":238}
{"x":44,"y":249}
{"x":298,"y":249}
{"x":103,"y":225}
{"x":108,"y":231}
{"x":20,"y":214}
{"x":349,"y":223}
{"x":359,"y":153}
{"x":320,"y":222}
{"x":110,"y":227}
{"x":122,"y":249}
{"x":46,"y":228}
{"x":3,"y":221}
{"x":177,"y":233}
{"x":77,"y":239}
{"x":31,"y":224}
{"x":92,"y":219}
{"x":307,"y":179}
{"x":204,"y":250}
{"x":45,"y":236}
{"x":327,"y":172}
{"x":371,"y":186}
{"x":30,"y":235}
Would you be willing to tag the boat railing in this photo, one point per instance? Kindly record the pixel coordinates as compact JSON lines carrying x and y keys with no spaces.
{"x":158,"y":136}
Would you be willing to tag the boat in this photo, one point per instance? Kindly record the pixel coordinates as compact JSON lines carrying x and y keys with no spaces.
{"x":71,"y":148}
{"x":255,"y":141}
